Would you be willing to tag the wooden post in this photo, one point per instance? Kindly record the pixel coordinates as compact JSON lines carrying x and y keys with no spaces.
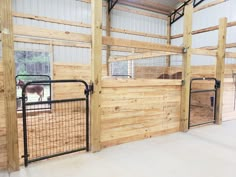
{"x":108,"y":33}
{"x":9,"y":84}
{"x":96,"y":71}
{"x":168,"y":58}
{"x":186,"y":67}
{"x":220,"y":67}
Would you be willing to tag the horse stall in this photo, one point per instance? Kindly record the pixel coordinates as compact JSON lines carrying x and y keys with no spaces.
{"x":88,"y":91}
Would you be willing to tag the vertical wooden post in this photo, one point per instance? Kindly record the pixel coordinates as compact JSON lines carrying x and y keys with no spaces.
{"x":220,"y":67}
{"x":108,"y":33}
{"x":168,"y":58}
{"x":9,"y":84}
{"x":186,"y":67}
{"x":96,"y":74}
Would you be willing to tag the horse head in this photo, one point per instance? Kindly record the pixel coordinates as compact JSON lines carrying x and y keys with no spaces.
{"x":20,"y":83}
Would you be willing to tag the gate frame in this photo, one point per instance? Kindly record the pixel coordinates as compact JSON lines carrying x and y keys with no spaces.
{"x":86,"y":93}
{"x":217,"y":85}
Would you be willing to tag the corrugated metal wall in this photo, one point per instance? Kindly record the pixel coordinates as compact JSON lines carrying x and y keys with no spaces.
{"x":75,"y":10}
{"x":203,"y":19}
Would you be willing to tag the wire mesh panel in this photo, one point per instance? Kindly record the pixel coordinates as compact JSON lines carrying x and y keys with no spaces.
{"x":202,"y":101}
{"x":63,"y":129}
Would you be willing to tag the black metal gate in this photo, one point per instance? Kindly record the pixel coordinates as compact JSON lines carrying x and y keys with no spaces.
{"x":61,"y":130}
{"x":197,"y":111}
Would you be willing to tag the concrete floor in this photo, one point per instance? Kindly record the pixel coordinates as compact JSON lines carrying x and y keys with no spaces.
{"x":208,"y":151}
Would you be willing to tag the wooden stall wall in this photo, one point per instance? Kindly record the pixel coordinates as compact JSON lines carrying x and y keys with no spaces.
{"x":138,"y":109}
{"x":3,"y":148}
{"x":199,"y":71}
{"x":71,"y":71}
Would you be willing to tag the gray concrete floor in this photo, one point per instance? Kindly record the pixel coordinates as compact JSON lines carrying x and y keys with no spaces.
{"x":208,"y":151}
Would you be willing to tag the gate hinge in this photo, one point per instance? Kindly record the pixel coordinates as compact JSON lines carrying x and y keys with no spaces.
{"x":218,"y":84}
{"x":89,"y":90}
{"x":23,"y":156}
{"x":91,"y":87}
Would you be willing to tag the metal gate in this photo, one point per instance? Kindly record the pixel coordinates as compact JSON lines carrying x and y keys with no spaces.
{"x":199,"y":113}
{"x":60,"y":130}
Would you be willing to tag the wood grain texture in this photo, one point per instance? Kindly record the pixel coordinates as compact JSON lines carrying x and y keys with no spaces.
{"x":71,"y":71}
{"x":3,"y":133}
{"x":186,"y":67}
{"x":137,"y":109}
{"x":220,"y":67}
{"x":9,"y":85}
{"x":96,"y":74}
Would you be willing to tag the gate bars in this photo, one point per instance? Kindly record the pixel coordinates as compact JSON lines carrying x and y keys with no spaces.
{"x":217,"y":85}
{"x":62,"y":131}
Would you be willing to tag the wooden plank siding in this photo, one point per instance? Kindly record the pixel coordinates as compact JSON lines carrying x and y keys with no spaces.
{"x":138,"y":109}
{"x":3,"y":138}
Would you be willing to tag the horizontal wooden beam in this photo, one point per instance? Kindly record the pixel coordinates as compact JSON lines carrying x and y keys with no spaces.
{"x":212,"y":53}
{"x":124,"y":31}
{"x":230,"y":55}
{"x":204,"y":30}
{"x":83,"y":25}
{"x":204,"y":52}
{"x":75,"y":44}
{"x":141,"y":45}
{"x":28,"y":31}
{"x":230,"y":45}
{"x":52,"y":34}
{"x":145,"y":55}
{"x":109,"y":83}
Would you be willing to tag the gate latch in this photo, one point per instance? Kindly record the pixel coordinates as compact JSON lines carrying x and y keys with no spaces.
{"x":91,"y":87}
{"x":218,"y":84}
{"x":89,"y":90}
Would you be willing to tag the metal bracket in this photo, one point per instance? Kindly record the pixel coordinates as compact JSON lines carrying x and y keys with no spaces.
{"x":179,"y":12}
{"x":111,"y":4}
{"x":91,"y":88}
{"x":23,"y":156}
{"x":185,"y":50}
{"x":218,"y":84}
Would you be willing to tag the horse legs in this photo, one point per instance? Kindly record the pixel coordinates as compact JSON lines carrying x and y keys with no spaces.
{"x":41,"y":95}
{"x":40,"y":98}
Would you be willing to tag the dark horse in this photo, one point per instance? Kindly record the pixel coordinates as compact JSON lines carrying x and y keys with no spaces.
{"x":38,"y":89}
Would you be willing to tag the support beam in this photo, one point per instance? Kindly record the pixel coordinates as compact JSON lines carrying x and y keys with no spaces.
{"x":204,"y":52}
{"x":141,"y":45}
{"x":9,"y":84}
{"x":108,"y":33}
{"x":29,"y":31}
{"x":168,"y":58}
{"x":96,"y":73}
{"x":220,"y":67}
{"x":83,"y":25}
{"x":230,"y":55}
{"x":186,"y":68}
{"x":228,"y":46}
{"x":204,"y":30}
{"x":141,"y":56}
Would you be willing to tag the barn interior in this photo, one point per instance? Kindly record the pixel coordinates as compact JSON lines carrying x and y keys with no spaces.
{"x":117,"y":88}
